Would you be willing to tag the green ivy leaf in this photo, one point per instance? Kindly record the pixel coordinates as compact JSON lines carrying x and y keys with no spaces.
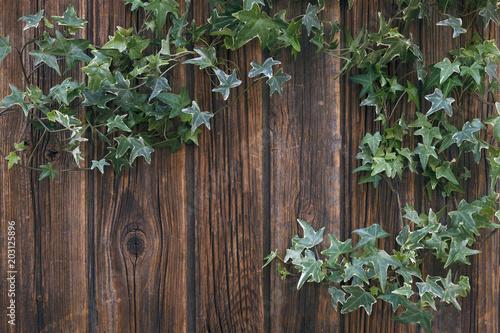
{"x":135,"y":46}
{"x":48,"y":58}
{"x":373,"y":141}
{"x":366,"y":80}
{"x":412,"y":92}
{"x":70,"y":20}
{"x":310,"y":267}
{"x":447,"y":68}
{"x":33,"y":20}
{"x":337,"y":296}
{"x":99,"y":164}
{"x":256,"y":24}
{"x":358,"y":298}
{"x":265,"y":69}
{"x":394,"y":299}
{"x":226,"y":82}
{"x":444,"y":171}
{"x":336,"y":249}
{"x":248,"y":4}
{"x":121,"y":88}
{"x":439,"y":102}
{"x":369,"y":235}
{"x":20,"y":146}
{"x":458,"y":254}
{"x":451,"y":290}
{"x":47,"y":171}
{"x":161,"y":8}
{"x":206,"y":58}
{"x":17,"y":97}
{"x":157,"y":84}
{"x":310,"y":18}
{"x":276,"y":82}
{"x":13,"y":159}
{"x":404,"y":291}
{"x":490,"y":13}
{"x":311,"y":238}
{"x":99,"y":98}
{"x":415,"y":314}
{"x":473,"y":71}
{"x":463,"y":216}
{"x":355,"y":269}
{"x":5,"y":47}
{"x":118,"y":162}
{"x":491,"y":70}
{"x":72,"y":50}
{"x":117,"y":122}
{"x":455,"y":23}
{"x":429,"y":134}
{"x":199,"y":117}
{"x":66,"y":91}
{"x":467,"y":132}
{"x":97,"y":74}
{"x":430,"y":286}
{"x":381,"y":262}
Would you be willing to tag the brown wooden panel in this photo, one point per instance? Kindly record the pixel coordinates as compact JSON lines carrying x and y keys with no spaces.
{"x":306,"y":153}
{"x":140,"y":223}
{"x":229,"y":203}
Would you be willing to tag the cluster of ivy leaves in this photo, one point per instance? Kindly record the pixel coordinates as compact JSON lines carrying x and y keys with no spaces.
{"x":126,"y":97}
{"x":441,"y":138}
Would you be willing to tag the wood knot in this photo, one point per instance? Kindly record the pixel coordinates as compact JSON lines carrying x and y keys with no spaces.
{"x":135,"y":243}
{"x":52,"y":154}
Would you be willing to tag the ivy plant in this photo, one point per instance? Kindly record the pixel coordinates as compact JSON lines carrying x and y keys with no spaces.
{"x":433,"y":142}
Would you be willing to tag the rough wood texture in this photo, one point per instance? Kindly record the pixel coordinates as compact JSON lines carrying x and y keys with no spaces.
{"x":178,"y":245}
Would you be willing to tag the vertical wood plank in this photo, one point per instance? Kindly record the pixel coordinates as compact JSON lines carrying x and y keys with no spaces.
{"x":306,"y":155}
{"x":229,"y":203}
{"x":140,"y":222}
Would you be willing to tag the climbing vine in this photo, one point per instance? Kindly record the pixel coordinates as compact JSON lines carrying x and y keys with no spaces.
{"x":126,"y":103}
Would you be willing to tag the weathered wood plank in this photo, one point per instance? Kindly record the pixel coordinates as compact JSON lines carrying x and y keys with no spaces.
{"x":306,"y":153}
{"x":229,"y":203}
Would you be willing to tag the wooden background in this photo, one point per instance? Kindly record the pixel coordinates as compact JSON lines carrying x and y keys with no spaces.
{"x":177,"y":246}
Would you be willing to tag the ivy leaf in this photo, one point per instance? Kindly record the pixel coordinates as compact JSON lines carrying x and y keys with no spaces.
{"x":424,"y":152}
{"x":439,"y":102}
{"x":265,"y":69}
{"x":310,"y":18}
{"x":428,"y":134}
{"x":47,"y":58}
{"x":337,"y":296}
{"x":294,"y":253}
{"x":5,"y":47}
{"x":270,"y":257}
{"x":118,"y":162}
{"x":70,"y":20}
{"x":415,"y":314}
{"x":256,"y":24}
{"x":491,"y":70}
{"x":369,"y":235}
{"x":311,"y":238}
{"x":404,"y":291}
{"x":226,"y":82}
{"x":17,"y":97}
{"x":121,"y":88}
{"x":140,"y":148}
{"x":490,"y":13}
{"x":337,"y":248}
{"x":99,"y":164}
{"x":161,"y":8}
{"x":395,"y":299}
{"x":99,"y":98}
{"x":206,"y":58}
{"x":72,"y":50}
{"x":47,"y":171}
{"x":463,"y":216}
{"x":199,"y":117}
{"x":451,"y":291}
{"x":430,"y":286}
{"x":135,"y":46}
{"x":447,"y":68}
{"x":247,"y":4}
{"x":366,"y":80}
{"x":118,"y":42}
{"x":458,"y":254}
{"x":276,"y":82}
{"x":444,"y":171}
{"x":117,"y":122}
{"x":355,"y":269}
{"x":373,"y":141}
{"x":13,"y":159}
{"x":412,"y":92}
{"x":157,"y":84}
{"x":381,"y":262}
{"x":66,"y":91}
{"x":455,"y":23}
{"x":33,"y":20}
{"x":473,"y":71}
{"x":358,"y":298}
{"x":309,"y":267}
{"x":467,"y":132}
{"x":20,"y":146}
{"x":97,"y":74}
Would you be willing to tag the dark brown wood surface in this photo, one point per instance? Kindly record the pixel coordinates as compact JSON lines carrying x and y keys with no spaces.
{"x":177,"y":246}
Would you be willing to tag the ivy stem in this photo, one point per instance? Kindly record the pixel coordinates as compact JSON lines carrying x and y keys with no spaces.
{"x":388,"y":181}
{"x":238,"y":97}
{"x":36,"y":146}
